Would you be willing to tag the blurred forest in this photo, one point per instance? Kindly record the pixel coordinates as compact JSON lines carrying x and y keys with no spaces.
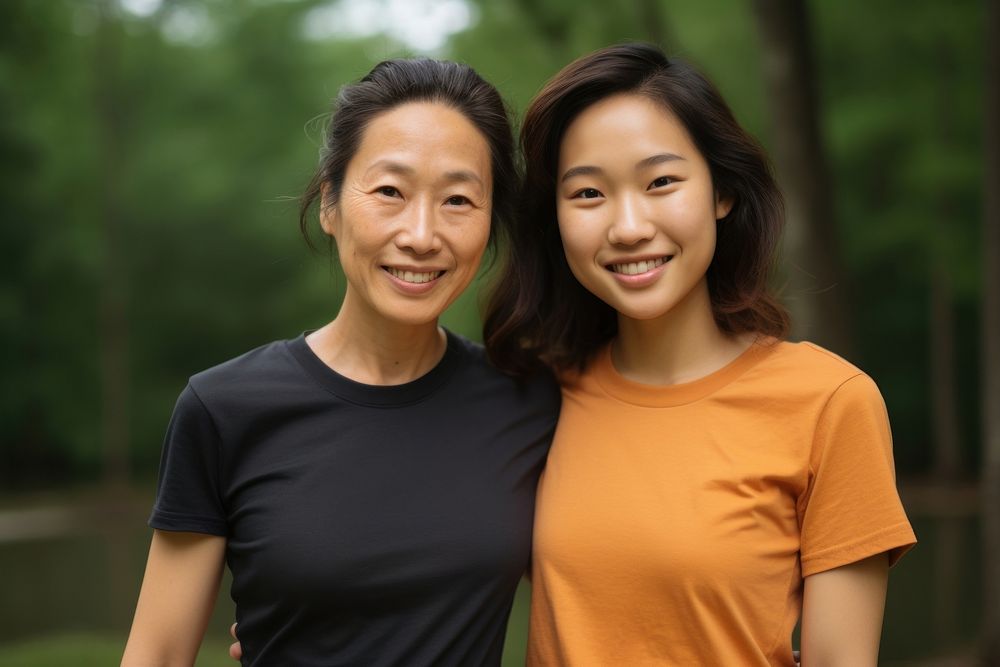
{"x":152,"y":153}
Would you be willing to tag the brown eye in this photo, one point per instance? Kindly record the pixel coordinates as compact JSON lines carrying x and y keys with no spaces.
{"x":588,"y":193}
{"x":660,"y":182}
{"x":388,"y":191}
{"x":457,"y":200}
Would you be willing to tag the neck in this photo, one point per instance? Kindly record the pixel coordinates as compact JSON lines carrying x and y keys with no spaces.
{"x":372,"y":350}
{"x":681,"y":345}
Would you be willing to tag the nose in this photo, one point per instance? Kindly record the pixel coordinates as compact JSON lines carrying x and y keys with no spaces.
{"x":418,"y":233}
{"x":630,"y":225}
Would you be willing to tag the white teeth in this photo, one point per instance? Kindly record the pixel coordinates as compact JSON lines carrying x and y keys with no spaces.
{"x":635,"y":268}
{"x":411,"y":277}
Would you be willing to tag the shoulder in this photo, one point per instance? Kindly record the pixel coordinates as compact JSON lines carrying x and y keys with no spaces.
{"x":823,"y":388}
{"x":810,"y":368}
{"x":254,"y":371}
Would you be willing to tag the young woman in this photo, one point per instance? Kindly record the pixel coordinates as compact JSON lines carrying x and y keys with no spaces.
{"x":708,"y":483}
{"x":370,"y":484}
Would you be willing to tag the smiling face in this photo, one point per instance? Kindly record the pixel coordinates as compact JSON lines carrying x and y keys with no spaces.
{"x":413,"y":216}
{"x":636,"y":207}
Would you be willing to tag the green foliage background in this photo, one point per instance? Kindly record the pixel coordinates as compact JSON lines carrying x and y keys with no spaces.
{"x":215,"y":136}
{"x":200,"y":143}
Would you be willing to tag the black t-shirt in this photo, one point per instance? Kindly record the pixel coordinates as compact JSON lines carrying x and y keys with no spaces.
{"x":364,"y":525}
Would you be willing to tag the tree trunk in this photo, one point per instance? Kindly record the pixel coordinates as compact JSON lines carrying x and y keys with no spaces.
{"x":814,"y":293}
{"x":991,"y":344}
{"x":944,"y":408}
{"x":946,"y":588}
{"x":112,"y":316}
{"x":946,"y":431}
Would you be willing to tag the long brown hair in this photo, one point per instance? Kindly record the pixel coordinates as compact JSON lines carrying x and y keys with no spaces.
{"x":537,"y":311}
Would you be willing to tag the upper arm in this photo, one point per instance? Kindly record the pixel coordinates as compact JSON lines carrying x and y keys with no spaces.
{"x":178,"y":593}
{"x":842,"y":614}
{"x":850,"y":509}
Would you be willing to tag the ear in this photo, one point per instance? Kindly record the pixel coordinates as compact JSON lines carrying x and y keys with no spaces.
{"x":723,"y":205}
{"x":329,"y":216}
{"x":329,"y":212}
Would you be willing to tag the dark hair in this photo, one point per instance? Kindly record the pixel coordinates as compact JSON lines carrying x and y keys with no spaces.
{"x":538,"y":312}
{"x":392,"y":83}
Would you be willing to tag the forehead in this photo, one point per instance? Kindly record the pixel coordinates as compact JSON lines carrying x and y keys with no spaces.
{"x":428,"y":137}
{"x":627,"y":126}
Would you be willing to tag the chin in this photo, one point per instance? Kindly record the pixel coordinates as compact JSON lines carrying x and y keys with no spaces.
{"x":411,"y":311}
{"x":640,"y":309}
{"x":413,"y":319}
{"x":642,"y":314}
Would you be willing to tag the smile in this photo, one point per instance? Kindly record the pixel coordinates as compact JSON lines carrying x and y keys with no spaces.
{"x":414,"y":277}
{"x":638,"y":268}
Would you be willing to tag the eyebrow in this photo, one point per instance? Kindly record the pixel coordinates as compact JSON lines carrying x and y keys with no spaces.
{"x":588,"y":170}
{"x":463,"y":176}
{"x":581,"y":171}
{"x":392,"y":167}
{"x":456,"y":176}
{"x":659,"y":158}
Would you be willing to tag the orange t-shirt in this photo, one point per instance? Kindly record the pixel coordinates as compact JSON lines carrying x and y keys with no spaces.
{"x":674,"y":524}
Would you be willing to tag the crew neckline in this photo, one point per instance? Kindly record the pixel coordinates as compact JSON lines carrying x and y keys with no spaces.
{"x":671,"y":395}
{"x":376,"y":395}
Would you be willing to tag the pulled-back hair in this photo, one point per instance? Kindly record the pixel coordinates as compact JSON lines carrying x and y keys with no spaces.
{"x":392,"y":83}
{"x":538,"y":312}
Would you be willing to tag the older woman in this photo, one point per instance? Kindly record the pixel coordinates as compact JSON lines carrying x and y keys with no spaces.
{"x":370,"y":484}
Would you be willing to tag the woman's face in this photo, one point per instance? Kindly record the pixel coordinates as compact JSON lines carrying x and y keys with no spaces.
{"x":413,"y":217}
{"x":636,"y":206}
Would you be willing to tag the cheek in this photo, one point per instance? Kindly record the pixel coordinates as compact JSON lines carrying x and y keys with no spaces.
{"x":699,"y":231}
{"x":691,"y":220}
{"x":354,"y":229}
{"x":471,"y":239}
{"x":351,"y":245}
{"x":580,"y":238}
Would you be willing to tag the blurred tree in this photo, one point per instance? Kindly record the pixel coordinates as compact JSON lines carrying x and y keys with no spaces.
{"x":815,"y":292}
{"x":43,"y":252}
{"x":895,"y":170}
{"x":113,"y":322}
{"x":947,"y":437}
{"x":990,"y":480}
{"x":150,"y":167}
{"x":211,"y":155}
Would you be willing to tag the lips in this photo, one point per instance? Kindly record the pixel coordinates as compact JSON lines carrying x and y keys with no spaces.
{"x":414,"y":277}
{"x":638,"y":267}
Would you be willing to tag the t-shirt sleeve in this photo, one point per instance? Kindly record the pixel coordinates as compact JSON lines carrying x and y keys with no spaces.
{"x":851,"y":509}
{"x":188,"y":494}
